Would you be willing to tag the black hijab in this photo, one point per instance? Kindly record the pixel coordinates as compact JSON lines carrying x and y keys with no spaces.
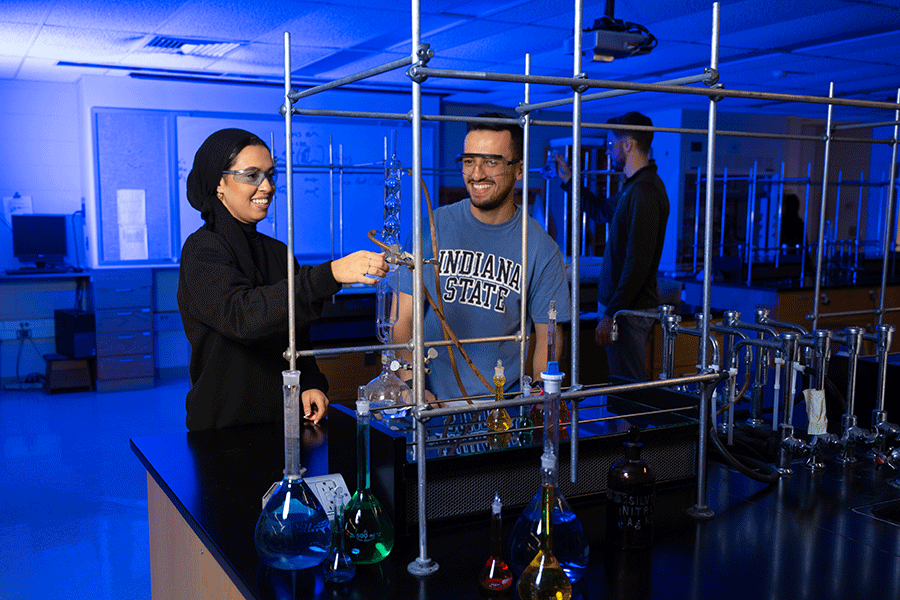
{"x":211,"y":159}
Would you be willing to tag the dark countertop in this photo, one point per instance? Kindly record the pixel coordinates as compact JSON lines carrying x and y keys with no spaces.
{"x":806,"y":537}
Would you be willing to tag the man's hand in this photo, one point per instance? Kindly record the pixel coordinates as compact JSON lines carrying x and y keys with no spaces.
{"x":603,"y":333}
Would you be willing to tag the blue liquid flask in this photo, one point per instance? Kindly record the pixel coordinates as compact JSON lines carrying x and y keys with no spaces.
{"x":570,"y":545}
{"x":293,"y":531}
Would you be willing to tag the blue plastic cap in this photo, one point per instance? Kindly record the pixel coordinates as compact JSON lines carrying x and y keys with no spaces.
{"x":553,"y":367}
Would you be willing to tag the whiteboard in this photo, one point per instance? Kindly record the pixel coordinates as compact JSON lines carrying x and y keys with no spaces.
{"x":333,"y":208}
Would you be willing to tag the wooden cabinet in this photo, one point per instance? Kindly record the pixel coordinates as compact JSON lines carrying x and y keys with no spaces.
{"x":122,"y":300}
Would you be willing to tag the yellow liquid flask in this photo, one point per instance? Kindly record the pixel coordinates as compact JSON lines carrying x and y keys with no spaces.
{"x":544,"y":578}
{"x":571,"y":548}
{"x":368,"y":531}
{"x":293,"y":531}
{"x":499,"y":419}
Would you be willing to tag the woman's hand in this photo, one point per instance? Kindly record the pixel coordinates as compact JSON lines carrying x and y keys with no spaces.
{"x":360,"y":267}
{"x":315,"y":405}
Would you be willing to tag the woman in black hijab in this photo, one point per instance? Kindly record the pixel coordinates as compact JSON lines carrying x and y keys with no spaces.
{"x":232,"y":291}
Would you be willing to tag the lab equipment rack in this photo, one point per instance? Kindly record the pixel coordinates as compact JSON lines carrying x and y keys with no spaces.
{"x":419,"y":73}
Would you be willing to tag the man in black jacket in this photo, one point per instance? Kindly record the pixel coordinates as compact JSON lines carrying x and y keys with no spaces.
{"x":637,"y":218}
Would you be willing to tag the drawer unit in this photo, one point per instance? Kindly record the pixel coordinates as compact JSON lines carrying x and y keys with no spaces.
{"x":125,"y":367}
{"x":122,"y":301}
{"x":130,"y":342}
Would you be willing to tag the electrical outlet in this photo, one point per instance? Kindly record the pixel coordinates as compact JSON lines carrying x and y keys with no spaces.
{"x":323,"y":487}
{"x":23,"y":333}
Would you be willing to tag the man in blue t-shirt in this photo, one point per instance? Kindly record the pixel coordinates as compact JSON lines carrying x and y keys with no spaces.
{"x":479,"y":243}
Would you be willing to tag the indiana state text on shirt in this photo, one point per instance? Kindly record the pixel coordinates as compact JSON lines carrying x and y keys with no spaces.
{"x":479,"y":279}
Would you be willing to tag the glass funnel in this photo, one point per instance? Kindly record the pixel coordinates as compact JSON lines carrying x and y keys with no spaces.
{"x":368,"y":531}
{"x":293,"y":531}
{"x":570,"y":545}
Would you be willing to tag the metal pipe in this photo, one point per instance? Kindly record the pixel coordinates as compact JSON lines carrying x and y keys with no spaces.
{"x":889,"y":211}
{"x":422,"y":565}
{"x":700,"y":510}
{"x":867,"y":125}
{"x":704,"y":78}
{"x":295,"y":95}
{"x":697,"y":222}
{"x":425,"y":412}
{"x":525,"y":122}
{"x":821,"y":238}
{"x":780,"y":216}
{"x":724,"y":202}
{"x":576,"y":235}
{"x":647,"y":87}
{"x":751,"y":223}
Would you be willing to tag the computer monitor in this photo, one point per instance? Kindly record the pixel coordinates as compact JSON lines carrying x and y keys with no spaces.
{"x":39,"y":239}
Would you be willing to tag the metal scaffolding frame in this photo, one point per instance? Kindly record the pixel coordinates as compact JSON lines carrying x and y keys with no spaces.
{"x":418,"y":73}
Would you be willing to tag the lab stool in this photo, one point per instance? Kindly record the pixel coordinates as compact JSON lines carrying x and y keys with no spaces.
{"x":66,"y":374}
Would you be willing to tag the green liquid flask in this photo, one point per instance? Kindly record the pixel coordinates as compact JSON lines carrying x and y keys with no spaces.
{"x":338,"y":565}
{"x":293,"y":531}
{"x":499,"y":419}
{"x":495,"y":575}
{"x":368,"y":532}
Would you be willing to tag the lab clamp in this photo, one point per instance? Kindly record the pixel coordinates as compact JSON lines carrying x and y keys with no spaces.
{"x":792,"y":351}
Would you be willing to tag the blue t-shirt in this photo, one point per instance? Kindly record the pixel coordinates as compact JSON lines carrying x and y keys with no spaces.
{"x":481,"y":285}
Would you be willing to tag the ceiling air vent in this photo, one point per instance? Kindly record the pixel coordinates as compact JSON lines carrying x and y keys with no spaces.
{"x":171,"y":45}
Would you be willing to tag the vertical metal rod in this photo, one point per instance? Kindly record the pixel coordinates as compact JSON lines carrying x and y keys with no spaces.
{"x":697,"y":222}
{"x":288,"y":134}
{"x":340,"y":199}
{"x":722,"y":220}
{"x":820,"y":246}
{"x":859,"y":205}
{"x":804,"y":245}
{"x":422,"y":565}
{"x":751,"y":222}
{"x":576,"y":235}
{"x":331,"y":191}
{"x":837,"y":213}
{"x":889,"y":210}
{"x":523,"y":298}
{"x":700,"y":510}
{"x":780,"y":216}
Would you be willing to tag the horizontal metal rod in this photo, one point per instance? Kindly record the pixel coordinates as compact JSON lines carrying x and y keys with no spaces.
{"x":865,"y":125}
{"x":294,"y":95}
{"x":491,"y":406}
{"x":575,"y":82}
{"x":526,"y":108}
{"x":747,"y":134}
{"x":406,"y":346}
{"x":423,"y":413}
{"x":853,"y":313}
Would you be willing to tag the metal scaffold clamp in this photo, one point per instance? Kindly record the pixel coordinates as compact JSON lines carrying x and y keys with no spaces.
{"x":580,"y":89}
{"x":717,"y":86}
{"x":710,"y":76}
{"x":424,"y":54}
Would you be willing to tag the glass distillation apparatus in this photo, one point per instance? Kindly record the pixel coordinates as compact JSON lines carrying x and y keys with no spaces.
{"x":293,"y":531}
{"x":387,"y":390}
